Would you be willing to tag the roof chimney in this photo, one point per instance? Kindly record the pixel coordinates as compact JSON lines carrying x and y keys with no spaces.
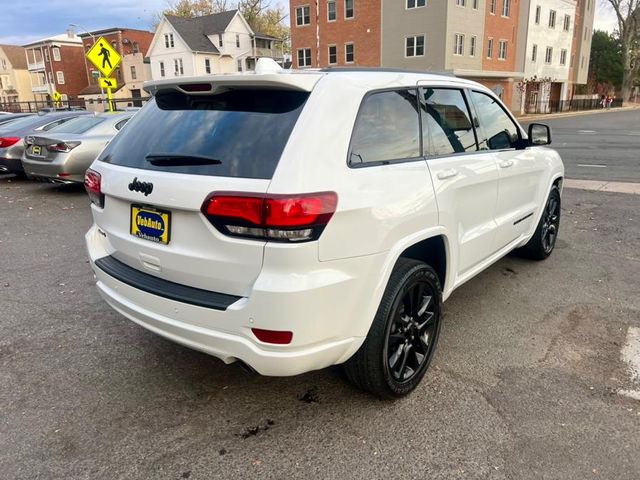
{"x":71,"y":33}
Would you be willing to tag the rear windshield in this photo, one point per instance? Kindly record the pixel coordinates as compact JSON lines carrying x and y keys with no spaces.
{"x":78,"y":124}
{"x":24,"y":122}
{"x":244,"y":131}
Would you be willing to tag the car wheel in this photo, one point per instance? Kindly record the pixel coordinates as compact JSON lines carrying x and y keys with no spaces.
{"x":541,"y":244}
{"x":401,"y":342}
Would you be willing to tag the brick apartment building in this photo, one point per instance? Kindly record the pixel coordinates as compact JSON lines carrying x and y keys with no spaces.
{"x":132,"y":45}
{"x":56,"y":64}
{"x":484,"y":40}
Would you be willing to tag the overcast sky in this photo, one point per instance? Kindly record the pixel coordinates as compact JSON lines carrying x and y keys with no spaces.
{"x":23,"y":21}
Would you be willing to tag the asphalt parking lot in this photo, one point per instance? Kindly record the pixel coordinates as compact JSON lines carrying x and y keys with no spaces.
{"x":525,"y":384}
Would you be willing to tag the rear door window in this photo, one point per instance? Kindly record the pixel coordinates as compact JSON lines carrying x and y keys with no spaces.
{"x":446,"y":122}
{"x":387,"y":128}
{"x":78,"y":124}
{"x":242,"y":131}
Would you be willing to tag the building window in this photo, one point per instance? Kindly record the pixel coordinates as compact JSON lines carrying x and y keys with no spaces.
{"x":178,"y":67}
{"x":563,"y":57}
{"x":348,"y":8}
{"x":567,"y":23}
{"x":414,"y":46}
{"x":162,"y":69}
{"x":416,"y":3}
{"x":46,"y":55}
{"x":461,"y":3}
{"x":548,"y":56}
{"x":136,"y":47}
{"x":133,"y":73}
{"x":458,"y":44}
{"x":490,"y":48}
{"x":331,"y":11}
{"x":304,"y":57}
{"x":586,"y":31}
{"x":168,"y":40}
{"x":538,"y":13}
{"x":582,"y":62}
{"x":303,"y":16}
{"x":492,"y":7}
{"x":207,"y":65}
{"x":60,"y":77}
{"x":502,"y":50}
{"x":56,"y":54}
{"x":349,"y":54}
{"x":534,"y":53}
{"x":472,"y":46}
{"x":552,"y":18}
{"x":506,"y":8}
{"x":475,"y":4}
{"x":239,"y":65}
{"x":333,"y":54}
{"x":220,"y":40}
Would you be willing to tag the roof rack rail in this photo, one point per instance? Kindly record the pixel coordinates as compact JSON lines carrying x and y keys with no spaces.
{"x":383,"y":69}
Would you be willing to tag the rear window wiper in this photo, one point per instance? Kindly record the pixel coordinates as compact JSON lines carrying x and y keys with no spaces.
{"x":178,"y":160}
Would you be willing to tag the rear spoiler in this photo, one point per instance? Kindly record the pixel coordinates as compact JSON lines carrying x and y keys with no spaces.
{"x":204,"y":85}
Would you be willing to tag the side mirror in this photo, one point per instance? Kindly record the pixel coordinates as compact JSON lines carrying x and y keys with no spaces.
{"x":539,"y":134}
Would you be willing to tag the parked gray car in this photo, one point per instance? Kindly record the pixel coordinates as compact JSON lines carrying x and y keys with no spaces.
{"x":64,"y":153}
{"x":12,"y":133}
{"x":10,"y":117}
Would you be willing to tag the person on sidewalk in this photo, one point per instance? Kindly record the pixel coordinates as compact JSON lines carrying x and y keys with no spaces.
{"x":603,"y":101}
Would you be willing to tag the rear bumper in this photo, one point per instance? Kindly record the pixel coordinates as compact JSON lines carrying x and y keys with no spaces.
{"x":327,"y":322}
{"x":53,"y":171}
{"x":11,"y":165}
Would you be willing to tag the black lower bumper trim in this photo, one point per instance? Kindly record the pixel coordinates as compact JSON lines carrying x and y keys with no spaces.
{"x":164,"y":288}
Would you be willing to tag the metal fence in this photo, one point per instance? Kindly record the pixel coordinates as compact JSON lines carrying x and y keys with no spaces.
{"x":76,"y":104}
{"x":556,"y":106}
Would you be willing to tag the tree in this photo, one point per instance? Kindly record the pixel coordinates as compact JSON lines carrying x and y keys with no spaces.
{"x":628,"y":16}
{"x":606,"y":63}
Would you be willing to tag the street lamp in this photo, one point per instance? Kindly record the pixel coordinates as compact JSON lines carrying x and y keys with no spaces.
{"x":94,"y":42}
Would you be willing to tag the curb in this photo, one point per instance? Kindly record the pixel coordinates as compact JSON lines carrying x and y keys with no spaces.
{"x":524,"y":118}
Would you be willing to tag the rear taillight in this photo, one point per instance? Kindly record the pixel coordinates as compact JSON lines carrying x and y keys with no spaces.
{"x":62,"y":146}
{"x":281,"y":218}
{"x":8,"y":141}
{"x":92,"y":182}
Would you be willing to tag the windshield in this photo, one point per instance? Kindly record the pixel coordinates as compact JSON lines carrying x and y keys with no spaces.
{"x":78,"y":124}
{"x":244,"y":130}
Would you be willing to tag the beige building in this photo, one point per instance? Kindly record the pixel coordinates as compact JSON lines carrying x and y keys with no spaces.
{"x":15,"y":85}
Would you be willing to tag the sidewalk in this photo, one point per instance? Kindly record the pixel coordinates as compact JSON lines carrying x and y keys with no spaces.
{"x":603,"y":186}
{"x":538,"y":116}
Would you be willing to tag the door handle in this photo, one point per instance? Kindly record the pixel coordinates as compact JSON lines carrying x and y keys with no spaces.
{"x":506,"y":164}
{"x":449,"y":173}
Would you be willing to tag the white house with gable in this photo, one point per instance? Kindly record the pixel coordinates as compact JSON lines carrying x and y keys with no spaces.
{"x":219,"y":43}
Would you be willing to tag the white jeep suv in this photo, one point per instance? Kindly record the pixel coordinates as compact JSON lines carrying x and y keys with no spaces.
{"x":292,"y":220}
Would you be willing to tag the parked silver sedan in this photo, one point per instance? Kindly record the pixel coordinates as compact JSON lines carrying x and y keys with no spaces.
{"x":12,"y":133}
{"x":64,"y":153}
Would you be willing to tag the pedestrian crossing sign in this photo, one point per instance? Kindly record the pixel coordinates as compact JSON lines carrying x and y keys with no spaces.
{"x":104,"y":56}
{"x":56,"y":96}
{"x":108,"y":82}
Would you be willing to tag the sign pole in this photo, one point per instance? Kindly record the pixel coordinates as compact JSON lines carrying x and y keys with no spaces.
{"x":110,"y":99}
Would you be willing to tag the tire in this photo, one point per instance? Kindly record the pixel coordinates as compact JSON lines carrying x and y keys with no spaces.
{"x":399,"y":347}
{"x":541,"y":244}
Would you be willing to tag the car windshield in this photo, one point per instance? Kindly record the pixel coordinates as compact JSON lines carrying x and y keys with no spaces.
{"x":245,"y":130}
{"x":78,"y":124}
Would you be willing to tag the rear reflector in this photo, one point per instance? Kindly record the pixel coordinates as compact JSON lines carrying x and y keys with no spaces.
{"x":277,"y":337}
{"x":283,"y":218}
{"x":8,"y":141}
{"x":93,"y":185}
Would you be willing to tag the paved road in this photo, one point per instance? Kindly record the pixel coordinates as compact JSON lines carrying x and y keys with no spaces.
{"x":599,"y":146}
{"x":523,"y":385}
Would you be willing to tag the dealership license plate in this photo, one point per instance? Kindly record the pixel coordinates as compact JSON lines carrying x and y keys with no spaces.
{"x":150,"y":223}
{"x":36,"y":150}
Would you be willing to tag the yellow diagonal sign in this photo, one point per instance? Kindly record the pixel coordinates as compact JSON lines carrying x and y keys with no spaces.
{"x":108,"y":82}
{"x":56,"y":96}
{"x":104,"y":57}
